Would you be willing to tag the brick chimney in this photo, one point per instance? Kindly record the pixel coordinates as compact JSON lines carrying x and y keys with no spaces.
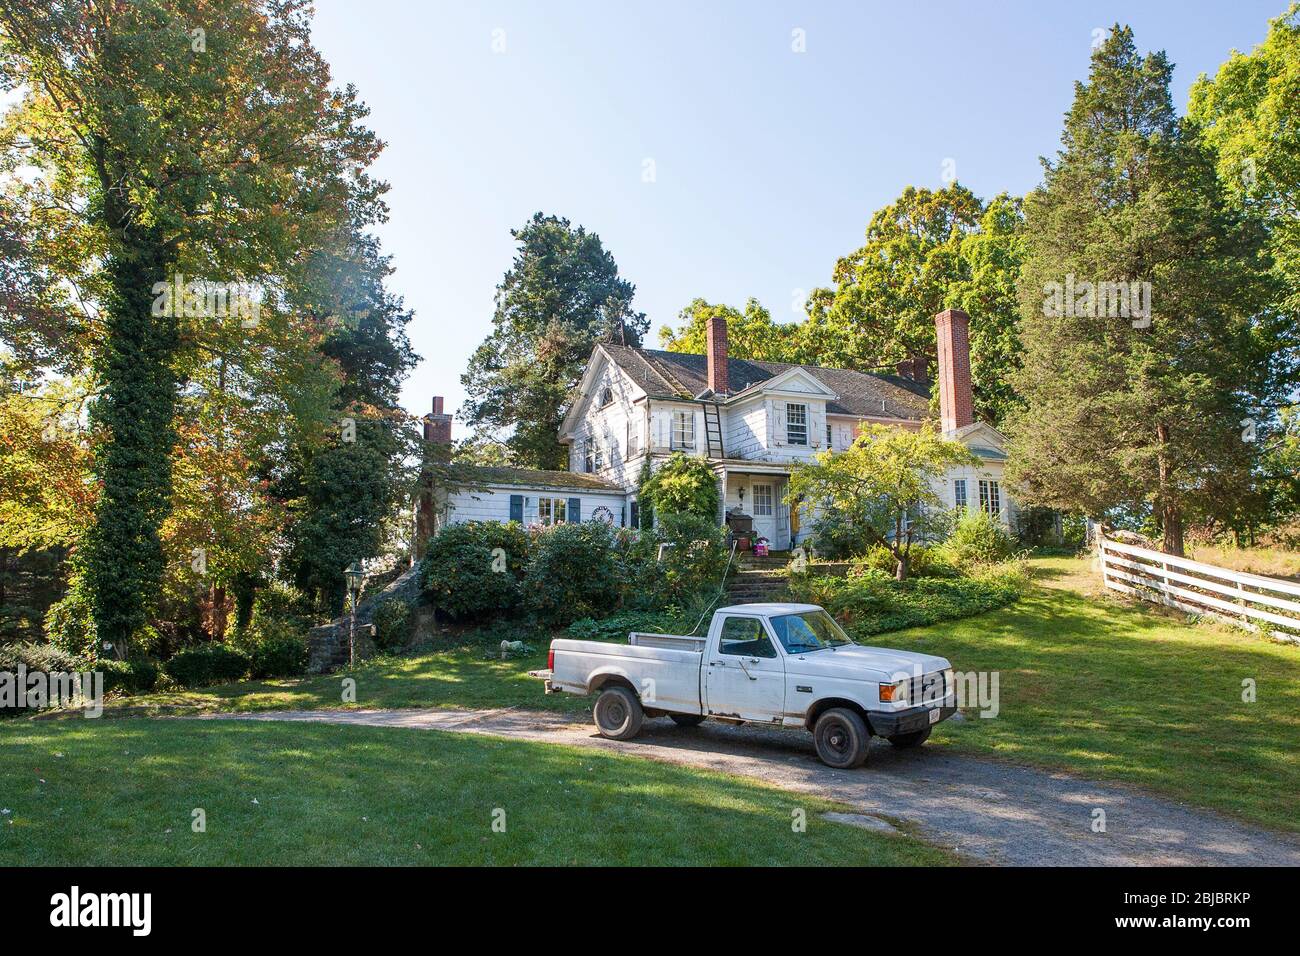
{"x":717,"y":355}
{"x":955,"y":402}
{"x":437,"y":426}
{"x":437,"y":432}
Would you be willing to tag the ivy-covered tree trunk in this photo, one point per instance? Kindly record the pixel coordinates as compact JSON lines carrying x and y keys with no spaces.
{"x":124,"y":556}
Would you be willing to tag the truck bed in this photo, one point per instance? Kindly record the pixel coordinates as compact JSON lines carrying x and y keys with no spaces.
{"x":664,"y":668}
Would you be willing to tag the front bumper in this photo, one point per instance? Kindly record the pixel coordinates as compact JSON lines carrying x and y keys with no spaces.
{"x":891,"y":723}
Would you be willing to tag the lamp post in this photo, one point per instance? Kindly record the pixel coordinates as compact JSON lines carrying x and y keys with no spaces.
{"x":354,"y":574}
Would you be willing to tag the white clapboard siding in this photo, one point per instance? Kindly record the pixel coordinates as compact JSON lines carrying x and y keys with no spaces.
{"x":1256,"y":602}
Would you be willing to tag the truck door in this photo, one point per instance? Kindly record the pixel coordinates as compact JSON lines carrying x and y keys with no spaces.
{"x":744,"y":675}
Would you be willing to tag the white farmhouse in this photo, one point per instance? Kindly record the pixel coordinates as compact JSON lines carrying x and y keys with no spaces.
{"x":750,"y":420}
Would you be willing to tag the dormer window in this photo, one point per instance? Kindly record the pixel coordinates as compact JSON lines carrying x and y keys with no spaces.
{"x":796,"y":424}
{"x":606,"y":396}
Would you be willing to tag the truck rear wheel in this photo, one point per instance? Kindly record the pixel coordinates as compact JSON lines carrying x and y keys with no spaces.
{"x":842,"y":738}
{"x":914,"y":739}
{"x":618,"y":713}
{"x":687,"y":720}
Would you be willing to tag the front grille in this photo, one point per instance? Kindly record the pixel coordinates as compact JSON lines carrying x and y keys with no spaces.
{"x":928,"y":689}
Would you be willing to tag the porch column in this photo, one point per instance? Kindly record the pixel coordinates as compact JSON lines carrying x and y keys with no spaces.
{"x":722,"y":499}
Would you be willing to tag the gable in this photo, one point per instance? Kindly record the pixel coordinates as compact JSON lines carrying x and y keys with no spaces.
{"x":797,"y":380}
{"x":601,"y":373}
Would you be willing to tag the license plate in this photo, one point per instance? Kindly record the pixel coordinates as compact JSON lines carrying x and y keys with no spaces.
{"x":934,"y":716}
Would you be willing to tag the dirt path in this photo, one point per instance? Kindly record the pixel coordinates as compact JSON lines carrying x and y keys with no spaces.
{"x":986,"y":809}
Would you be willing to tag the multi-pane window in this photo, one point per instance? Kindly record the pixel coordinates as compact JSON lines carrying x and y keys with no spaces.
{"x":588,"y":455}
{"x":796,"y":424}
{"x":600,"y":458}
{"x":990,"y":498}
{"x":633,"y":439}
{"x":762,"y":500}
{"x":684,"y":431}
{"x":545,"y":511}
{"x":959,"y":493}
{"x":830,"y":436}
{"x":606,"y":397}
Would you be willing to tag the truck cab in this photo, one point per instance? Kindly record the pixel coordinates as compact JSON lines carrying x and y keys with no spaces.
{"x":784,"y":664}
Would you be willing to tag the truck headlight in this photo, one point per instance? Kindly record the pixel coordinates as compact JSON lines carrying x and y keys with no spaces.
{"x":893,"y":692}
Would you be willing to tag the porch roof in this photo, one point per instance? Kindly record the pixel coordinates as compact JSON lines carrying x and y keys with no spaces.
{"x":745,"y":466}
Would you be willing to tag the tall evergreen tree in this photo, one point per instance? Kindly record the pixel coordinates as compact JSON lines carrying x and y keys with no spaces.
{"x":562,"y":295}
{"x":1140,"y":408}
{"x":344,"y":488}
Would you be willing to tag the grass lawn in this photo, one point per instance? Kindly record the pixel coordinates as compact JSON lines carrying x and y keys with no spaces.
{"x":1087,"y":683}
{"x":471,"y":676}
{"x":123,"y":792}
{"x":1131,"y":693}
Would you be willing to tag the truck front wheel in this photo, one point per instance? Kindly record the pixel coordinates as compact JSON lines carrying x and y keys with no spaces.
{"x":842,"y":738}
{"x":618,"y":713}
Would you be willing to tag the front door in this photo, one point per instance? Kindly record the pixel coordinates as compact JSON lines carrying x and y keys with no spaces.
{"x":763,"y":495}
{"x":744,"y":674}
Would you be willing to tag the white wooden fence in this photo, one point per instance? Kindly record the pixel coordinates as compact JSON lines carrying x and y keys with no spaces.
{"x":1268,"y":605}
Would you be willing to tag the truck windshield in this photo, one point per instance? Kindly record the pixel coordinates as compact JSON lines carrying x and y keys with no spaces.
{"x":809,"y":631}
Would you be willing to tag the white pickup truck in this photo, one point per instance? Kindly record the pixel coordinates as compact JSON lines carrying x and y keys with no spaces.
{"x":785,"y":664}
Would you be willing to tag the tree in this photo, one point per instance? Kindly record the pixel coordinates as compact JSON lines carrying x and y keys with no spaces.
{"x":562,"y":295}
{"x":751,"y":334}
{"x":1143,"y":309}
{"x":927,"y":251}
{"x":684,"y":484}
{"x":342,"y":489}
{"x":1247,"y":113}
{"x":886,"y":482}
{"x":222,"y":153}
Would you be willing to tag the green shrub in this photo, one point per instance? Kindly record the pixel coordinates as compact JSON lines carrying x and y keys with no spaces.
{"x":70,"y":626}
{"x":684,"y":484}
{"x":462,"y":575}
{"x":280,"y":656}
{"x":131,"y":677}
{"x":207,"y":664}
{"x":574,"y":573}
{"x":978,"y":538}
{"x":924,"y":562}
{"x":619,"y":626}
{"x":871,"y":601}
{"x":696,"y":561}
{"x":392,"y":624}
{"x":33,"y":657}
{"x":279,"y":610}
{"x":837,"y":535}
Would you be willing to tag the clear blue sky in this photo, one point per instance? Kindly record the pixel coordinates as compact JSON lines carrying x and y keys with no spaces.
{"x":768,"y":163}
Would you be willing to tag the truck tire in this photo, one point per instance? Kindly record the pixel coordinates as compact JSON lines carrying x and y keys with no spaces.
{"x":914,"y":739}
{"x":618,"y":713}
{"x":687,"y":720}
{"x":842,"y":738}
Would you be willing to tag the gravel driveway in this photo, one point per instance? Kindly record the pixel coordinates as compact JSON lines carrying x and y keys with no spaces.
{"x":983,"y":808}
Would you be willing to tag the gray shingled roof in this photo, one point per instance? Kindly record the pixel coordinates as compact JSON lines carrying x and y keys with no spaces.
{"x":669,"y":375}
{"x":528,"y":477}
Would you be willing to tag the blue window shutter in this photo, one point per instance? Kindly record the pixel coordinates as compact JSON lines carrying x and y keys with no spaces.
{"x":622,"y":517}
{"x":575,"y":510}
{"x":517,"y":508}
{"x":636,"y":517}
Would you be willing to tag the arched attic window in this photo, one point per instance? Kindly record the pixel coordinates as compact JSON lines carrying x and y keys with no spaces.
{"x":606,"y":396}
